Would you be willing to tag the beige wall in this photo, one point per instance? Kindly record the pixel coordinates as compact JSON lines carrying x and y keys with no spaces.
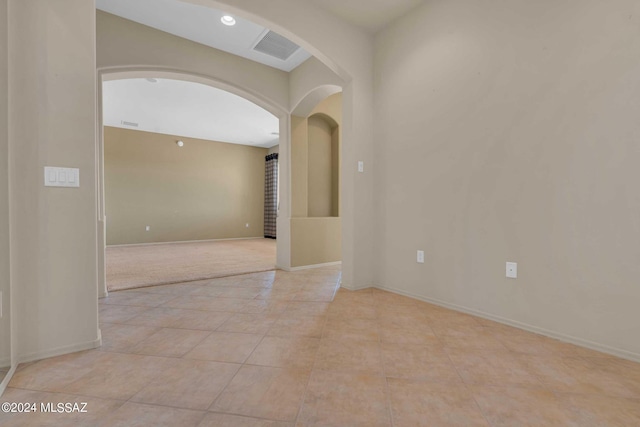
{"x":299,"y":162}
{"x":5,"y":326}
{"x":315,"y":241}
{"x":508,"y":131}
{"x":331,"y":107}
{"x":311,"y":83}
{"x":315,"y":163}
{"x":312,"y":188}
{"x":322,"y":164}
{"x":274,"y":149}
{"x":52,"y":122}
{"x":203,"y":190}
{"x":335,"y":171}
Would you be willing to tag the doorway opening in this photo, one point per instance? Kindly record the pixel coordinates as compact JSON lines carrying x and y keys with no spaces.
{"x":177,"y":204}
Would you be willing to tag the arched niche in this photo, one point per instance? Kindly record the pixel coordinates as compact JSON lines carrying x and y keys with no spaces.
{"x":323,"y":166}
{"x":316,"y":226}
{"x":313,"y":98}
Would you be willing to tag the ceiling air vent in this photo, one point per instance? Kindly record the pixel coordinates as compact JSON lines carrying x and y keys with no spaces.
{"x":273,"y":44}
{"x":129,"y":123}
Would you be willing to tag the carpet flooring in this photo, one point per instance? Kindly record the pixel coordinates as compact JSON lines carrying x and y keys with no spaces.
{"x":158,"y":264}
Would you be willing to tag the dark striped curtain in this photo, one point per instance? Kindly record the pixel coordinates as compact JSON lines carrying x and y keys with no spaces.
{"x":270,"y":195}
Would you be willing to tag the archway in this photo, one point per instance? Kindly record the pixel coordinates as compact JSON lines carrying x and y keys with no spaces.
{"x":347,"y":54}
{"x":140,"y":72}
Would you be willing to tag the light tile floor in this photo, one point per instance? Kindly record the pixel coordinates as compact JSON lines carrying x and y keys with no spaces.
{"x":279,"y":349}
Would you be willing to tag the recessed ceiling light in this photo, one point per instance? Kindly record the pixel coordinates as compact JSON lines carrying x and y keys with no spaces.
{"x":152,"y":80}
{"x":275,"y":133}
{"x":228,"y":20}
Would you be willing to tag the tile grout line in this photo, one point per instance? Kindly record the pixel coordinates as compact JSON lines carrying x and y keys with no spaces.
{"x":243,"y":364}
{"x":279,"y":313}
{"x":466,"y":387}
{"x":182,"y":358}
{"x":313,"y":369}
{"x":384,"y":371}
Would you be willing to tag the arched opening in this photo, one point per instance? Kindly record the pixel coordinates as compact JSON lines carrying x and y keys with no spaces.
{"x":241,"y":199}
{"x":301,"y":89}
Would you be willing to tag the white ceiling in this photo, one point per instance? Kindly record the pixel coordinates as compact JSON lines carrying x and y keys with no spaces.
{"x":372,"y":15}
{"x":201,"y":24}
{"x":187,"y":109}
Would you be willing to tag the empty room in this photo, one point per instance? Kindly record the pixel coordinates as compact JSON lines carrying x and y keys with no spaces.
{"x":456,"y":211}
{"x":184,"y":183}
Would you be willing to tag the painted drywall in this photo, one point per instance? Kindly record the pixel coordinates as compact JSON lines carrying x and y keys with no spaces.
{"x":299,"y":162}
{"x":315,"y":165}
{"x":124,"y":43}
{"x":52,"y":122}
{"x":322,"y":167}
{"x":311,"y":83}
{"x":274,"y":149}
{"x":331,"y":109}
{"x":331,"y":106}
{"x":508,"y":131}
{"x":311,"y":176}
{"x":203,"y":190}
{"x":5,"y":325}
{"x":315,"y":241}
{"x":335,"y":171}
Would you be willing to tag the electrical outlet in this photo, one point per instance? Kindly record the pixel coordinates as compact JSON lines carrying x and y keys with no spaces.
{"x":360,"y":166}
{"x":512,"y":270}
{"x":420,"y":257}
{"x":246,"y":225}
{"x":147,"y":228}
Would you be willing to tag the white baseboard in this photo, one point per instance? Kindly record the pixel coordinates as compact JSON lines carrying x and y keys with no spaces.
{"x":30,"y":357}
{"x":186,"y":241}
{"x":49,"y":353}
{"x":7,"y":378}
{"x":308,"y":267}
{"x":624,"y":354}
{"x":351,"y":287}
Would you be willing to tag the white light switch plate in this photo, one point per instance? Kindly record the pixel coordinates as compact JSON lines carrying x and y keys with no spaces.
{"x":360,"y":166}
{"x":420,"y":257}
{"x":512,"y":270}
{"x":61,"y":177}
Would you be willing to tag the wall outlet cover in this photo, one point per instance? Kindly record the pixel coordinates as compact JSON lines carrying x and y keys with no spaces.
{"x":512,"y":270}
